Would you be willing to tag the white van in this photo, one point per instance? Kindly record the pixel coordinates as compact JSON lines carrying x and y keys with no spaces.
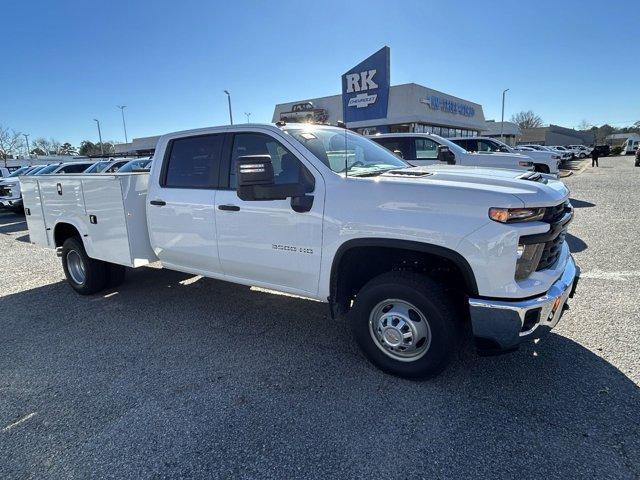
{"x":630,"y":146}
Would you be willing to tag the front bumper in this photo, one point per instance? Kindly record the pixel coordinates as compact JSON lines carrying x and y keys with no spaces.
{"x":500,"y":325}
{"x":11,"y":202}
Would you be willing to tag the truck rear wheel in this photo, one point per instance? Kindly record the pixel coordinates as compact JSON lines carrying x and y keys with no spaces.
{"x":85,"y":274}
{"x":404,"y":323}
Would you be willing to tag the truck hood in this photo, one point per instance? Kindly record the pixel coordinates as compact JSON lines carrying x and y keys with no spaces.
{"x":533,"y":189}
{"x":538,"y":155}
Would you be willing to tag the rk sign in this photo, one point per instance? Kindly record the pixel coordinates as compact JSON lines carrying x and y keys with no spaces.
{"x":365,"y":88}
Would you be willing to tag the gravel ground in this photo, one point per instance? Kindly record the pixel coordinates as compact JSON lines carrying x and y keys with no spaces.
{"x":174,"y":376}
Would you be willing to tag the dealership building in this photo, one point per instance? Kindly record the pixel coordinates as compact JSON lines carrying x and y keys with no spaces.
{"x":411,"y":108}
{"x":369,"y":104}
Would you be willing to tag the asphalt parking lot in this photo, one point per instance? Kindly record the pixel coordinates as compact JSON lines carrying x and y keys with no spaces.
{"x":174,"y":376}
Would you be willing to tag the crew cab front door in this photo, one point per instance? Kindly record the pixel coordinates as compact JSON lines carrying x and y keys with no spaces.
{"x":267,"y":243}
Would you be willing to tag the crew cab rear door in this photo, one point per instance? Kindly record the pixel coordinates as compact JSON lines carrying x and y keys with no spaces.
{"x":181,"y":203}
{"x":267,"y":243}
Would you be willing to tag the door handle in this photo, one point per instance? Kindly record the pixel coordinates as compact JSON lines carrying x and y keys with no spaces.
{"x":229,"y":208}
{"x":159,"y":203}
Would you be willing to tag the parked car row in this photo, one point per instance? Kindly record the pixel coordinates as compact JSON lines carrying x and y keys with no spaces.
{"x":569,"y":152}
{"x":10,"y":191}
{"x":427,"y":149}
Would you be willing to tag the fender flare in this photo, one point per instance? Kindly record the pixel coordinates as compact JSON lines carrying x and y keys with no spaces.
{"x":444,"y":252}
{"x":74,"y":224}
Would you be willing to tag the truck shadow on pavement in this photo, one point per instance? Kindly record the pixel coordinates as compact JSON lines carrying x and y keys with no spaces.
{"x":581,"y":203}
{"x":575,"y":244}
{"x":229,"y":365}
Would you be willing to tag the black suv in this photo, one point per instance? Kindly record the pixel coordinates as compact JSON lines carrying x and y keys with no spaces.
{"x":603,"y":150}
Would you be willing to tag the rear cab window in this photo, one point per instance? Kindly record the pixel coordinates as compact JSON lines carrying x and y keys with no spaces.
{"x":193,"y":162}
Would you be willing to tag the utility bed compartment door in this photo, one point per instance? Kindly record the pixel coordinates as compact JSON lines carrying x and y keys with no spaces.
{"x":61,"y":198}
{"x":34,"y":212}
{"x":106,"y":224}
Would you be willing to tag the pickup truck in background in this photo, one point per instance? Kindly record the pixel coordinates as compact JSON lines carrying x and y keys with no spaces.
{"x":404,"y":253}
{"x":420,"y":149}
{"x":543,"y":162}
{"x":305,"y":112}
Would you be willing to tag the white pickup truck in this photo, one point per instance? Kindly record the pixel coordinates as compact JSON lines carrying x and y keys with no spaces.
{"x":543,"y":162}
{"x":420,"y":149}
{"x":404,"y":253}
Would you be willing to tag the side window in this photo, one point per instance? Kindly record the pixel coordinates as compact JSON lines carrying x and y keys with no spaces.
{"x":74,"y":168}
{"x":426,"y":149}
{"x":471,"y":145}
{"x":287,"y":169}
{"x":395,"y":144}
{"x":484,"y":146}
{"x":193,"y":162}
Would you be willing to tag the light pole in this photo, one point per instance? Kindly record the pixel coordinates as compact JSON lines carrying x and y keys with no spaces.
{"x":99,"y":136}
{"x":248,"y":114}
{"x":504,"y":92}
{"x":26,"y":137}
{"x":124,"y":125}
{"x":229,"y":99}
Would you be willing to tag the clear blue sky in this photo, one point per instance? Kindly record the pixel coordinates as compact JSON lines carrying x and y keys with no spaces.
{"x":67,"y":62}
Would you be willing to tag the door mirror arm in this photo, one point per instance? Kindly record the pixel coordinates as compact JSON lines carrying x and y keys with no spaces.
{"x":302,"y":203}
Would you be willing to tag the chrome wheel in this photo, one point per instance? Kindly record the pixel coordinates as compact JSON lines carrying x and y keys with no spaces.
{"x":75,"y":266}
{"x":400,"y":330}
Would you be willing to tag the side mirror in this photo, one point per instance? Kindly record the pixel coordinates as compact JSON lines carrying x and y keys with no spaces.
{"x":256,"y":182}
{"x":255,"y":178}
{"x":398,"y":153}
{"x":445,"y":155}
{"x":254,"y":170}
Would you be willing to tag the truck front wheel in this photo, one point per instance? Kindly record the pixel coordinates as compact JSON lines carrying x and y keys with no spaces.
{"x":85,"y":274}
{"x":405,"y":324}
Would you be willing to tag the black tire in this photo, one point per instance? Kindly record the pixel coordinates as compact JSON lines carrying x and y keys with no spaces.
{"x":538,"y":167}
{"x":115,"y":275}
{"x":430,"y":300}
{"x":95,"y":271}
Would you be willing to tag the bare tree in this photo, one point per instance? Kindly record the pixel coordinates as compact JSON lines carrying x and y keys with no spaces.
{"x":584,"y":125}
{"x":49,"y":147}
{"x":527,"y":119}
{"x":10,"y":143}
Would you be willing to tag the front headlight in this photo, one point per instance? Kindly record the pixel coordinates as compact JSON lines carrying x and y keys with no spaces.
{"x":511,"y":215}
{"x":528,"y":259}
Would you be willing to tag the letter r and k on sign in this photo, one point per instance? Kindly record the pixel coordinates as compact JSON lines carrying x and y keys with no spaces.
{"x":363,"y":81}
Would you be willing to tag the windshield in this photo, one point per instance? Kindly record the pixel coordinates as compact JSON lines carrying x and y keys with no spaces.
{"x":20,"y":171}
{"x":47,"y":169}
{"x":97,"y":167}
{"x":342,"y":150}
{"x":500,"y":146}
{"x":135,"y":165}
{"x":454,"y":147}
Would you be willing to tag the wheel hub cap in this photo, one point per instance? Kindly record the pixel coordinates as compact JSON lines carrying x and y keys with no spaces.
{"x":75,"y":265}
{"x":400,"y":330}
